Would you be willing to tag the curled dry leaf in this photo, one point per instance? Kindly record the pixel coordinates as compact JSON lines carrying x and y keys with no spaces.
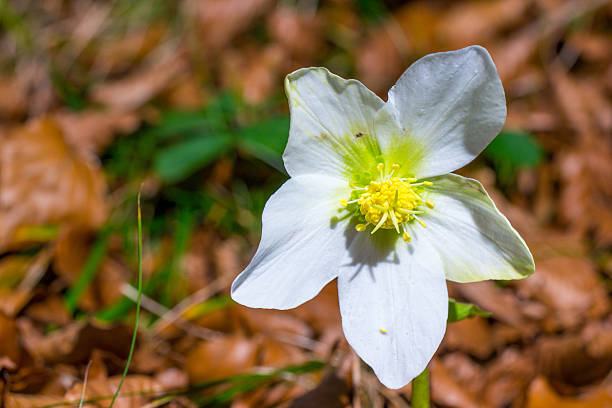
{"x":470,"y":22}
{"x":219,"y":21}
{"x":331,"y":392}
{"x":220,"y":357}
{"x":571,"y":290}
{"x":542,"y":395}
{"x":472,"y":336}
{"x":254,"y":73}
{"x":507,"y":378}
{"x":576,"y":359}
{"x":140,"y":87}
{"x":386,"y":51}
{"x":74,"y":343}
{"x":43,"y":180}
{"x":298,"y":33}
{"x":135,"y":392}
{"x":446,"y":391}
{"x":92,"y":131}
{"x":51,"y":310}
{"x":127,"y":49}
{"x":9,"y":340}
{"x":13,"y":400}
{"x":465,"y":371}
{"x":276,"y":353}
{"x":500,"y":302}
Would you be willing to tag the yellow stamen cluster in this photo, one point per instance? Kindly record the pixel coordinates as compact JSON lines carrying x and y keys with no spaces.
{"x":389,"y":202}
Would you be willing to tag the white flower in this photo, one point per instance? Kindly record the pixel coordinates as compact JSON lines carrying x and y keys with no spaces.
{"x":370,"y":202}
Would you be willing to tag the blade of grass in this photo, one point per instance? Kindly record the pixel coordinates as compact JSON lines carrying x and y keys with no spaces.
{"x":84,"y":384}
{"x":133,"y":345}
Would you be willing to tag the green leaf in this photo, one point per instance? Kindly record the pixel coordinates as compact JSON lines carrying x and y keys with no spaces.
{"x":182,"y":159}
{"x":459,"y":311}
{"x":266,"y":140}
{"x":511,"y":151}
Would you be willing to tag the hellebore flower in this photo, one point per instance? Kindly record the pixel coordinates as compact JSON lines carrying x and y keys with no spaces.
{"x":371,"y":202}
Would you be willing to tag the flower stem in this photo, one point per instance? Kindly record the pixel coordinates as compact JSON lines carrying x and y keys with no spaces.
{"x":420,"y":390}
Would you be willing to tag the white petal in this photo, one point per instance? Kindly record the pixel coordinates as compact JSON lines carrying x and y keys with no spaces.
{"x":394,"y":305}
{"x":474,"y":240}
{"x":331,"y":129}
{"x":301,"y":245}
{"x":449,"y":106}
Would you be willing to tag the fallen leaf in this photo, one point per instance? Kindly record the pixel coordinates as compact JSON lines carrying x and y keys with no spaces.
{"x":570,"y":288}
{"x":92,"y":131}
{"x":9,"y":340}
{"x":219,"y":21}
{"x":220,"y":357}
{"x":140,"y":87}
{"x":542,"y":395}
{"x":74,"y":343}
{"x":570,"y":359}
{"x":44,"y":181}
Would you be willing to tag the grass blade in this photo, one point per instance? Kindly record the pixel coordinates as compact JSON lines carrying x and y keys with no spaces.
{"x":133,"y":345}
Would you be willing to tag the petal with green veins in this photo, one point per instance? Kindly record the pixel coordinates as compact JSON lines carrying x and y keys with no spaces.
{"x":331,"y":130}
{"x":474,"y":240}
{"x":450,"y":105}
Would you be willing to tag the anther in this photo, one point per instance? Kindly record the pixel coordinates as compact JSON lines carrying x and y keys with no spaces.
{"x":429,"y":204}
{"x":420,"y":221}
{"x":383,"y":331}
{"x":428,"y":183}
{"x":380,"y":166}
{"x":406,"y":237}
{"x":360,"y":227}
{"x":343,"y":203}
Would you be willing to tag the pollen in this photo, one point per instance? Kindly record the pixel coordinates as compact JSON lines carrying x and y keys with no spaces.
{"x":383,"y":331}
{"x":389,"y":201}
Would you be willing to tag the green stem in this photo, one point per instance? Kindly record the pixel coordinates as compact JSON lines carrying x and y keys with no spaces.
{"x":138,"y":300}
{"x":420,"y":390}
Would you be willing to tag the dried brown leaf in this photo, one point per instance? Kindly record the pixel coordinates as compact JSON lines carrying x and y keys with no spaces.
{"x":220,"y":357}
{"x":542,"y":395}
{"x":43,"y":180}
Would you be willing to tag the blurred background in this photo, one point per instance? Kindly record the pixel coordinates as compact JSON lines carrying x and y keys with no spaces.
{"x":185,"y":98}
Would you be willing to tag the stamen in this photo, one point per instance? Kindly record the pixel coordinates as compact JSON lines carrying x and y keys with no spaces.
{"x":420,"y":221}
{"x":392,"y":214}
{"x":380,"y":223}
{"x":408,"y":212}
{"x":388,"y":202}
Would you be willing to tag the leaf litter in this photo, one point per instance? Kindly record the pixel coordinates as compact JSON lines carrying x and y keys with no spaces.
{"x":110,"y":97}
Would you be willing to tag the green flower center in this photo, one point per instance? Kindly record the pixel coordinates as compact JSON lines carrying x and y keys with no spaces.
{"x":389,"y":202}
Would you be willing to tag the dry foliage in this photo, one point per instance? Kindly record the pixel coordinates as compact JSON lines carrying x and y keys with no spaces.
{"x":90,"y":74}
